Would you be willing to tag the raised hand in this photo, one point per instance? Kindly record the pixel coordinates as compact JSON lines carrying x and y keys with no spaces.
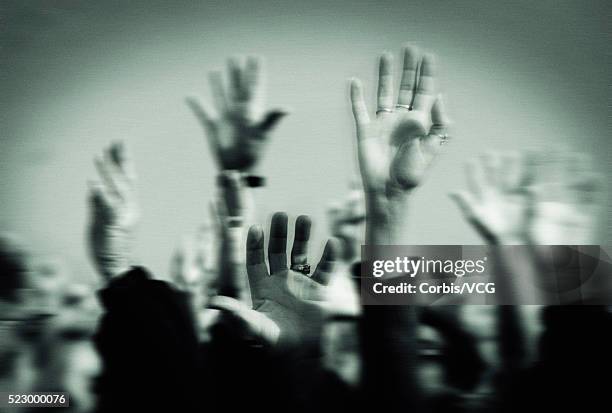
{"x":568,"y":198}
{"x":289,"y":307}
{"x":499,"y":203}
{"x":398,"y":145}
{"x":532,"y":199}
{"x":115,"y":211}
{"x":193,"y":268}
{"x":237,"y":126}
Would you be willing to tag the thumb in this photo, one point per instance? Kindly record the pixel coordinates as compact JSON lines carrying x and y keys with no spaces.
{"x":272,"y":118}
{"x":254,"y":322}
{"x":464,"y":202}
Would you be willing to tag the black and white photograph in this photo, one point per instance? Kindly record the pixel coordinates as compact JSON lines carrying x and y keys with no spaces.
{"x":316,"y":206}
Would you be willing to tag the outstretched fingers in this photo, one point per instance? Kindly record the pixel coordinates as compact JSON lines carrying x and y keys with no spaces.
{"x":205,"y":116}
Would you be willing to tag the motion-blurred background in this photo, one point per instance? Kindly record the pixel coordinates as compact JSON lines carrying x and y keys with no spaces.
{"x":76,"y":74}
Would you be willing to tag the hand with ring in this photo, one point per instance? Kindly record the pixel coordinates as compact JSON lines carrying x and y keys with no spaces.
{"x":289,"y":307}
{"x":398,"y":145}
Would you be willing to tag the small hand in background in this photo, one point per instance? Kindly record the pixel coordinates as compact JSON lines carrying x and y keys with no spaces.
{"x":115,"y":212}
{"x":545,"y":201}
{"x":237,"y":126}
{"x":289,"y":307}
{"x":498,"y":203}
{"x":568,"y":198}
{"x":534,"y":199}
{"x":347,"y":221}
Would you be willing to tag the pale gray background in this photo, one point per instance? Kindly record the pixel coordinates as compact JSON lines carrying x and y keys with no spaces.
{"x":76,"y":74}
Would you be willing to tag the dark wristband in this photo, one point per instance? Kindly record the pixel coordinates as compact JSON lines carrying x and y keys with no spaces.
{"x":254,"y":181}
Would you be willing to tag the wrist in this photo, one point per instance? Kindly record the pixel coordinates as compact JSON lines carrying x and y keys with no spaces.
{"x":386,"y":220}
{"x":251,"y":180}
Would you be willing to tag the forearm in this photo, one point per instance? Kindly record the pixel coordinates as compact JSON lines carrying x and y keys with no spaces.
{"x":235,"y":212}
{"x":390,"y":357}
{"x":515,"y":272}
{"x":111,"y":248}
{"x":232,"y":262}
{"x":389,"y":332}
{"x":512,"y":340}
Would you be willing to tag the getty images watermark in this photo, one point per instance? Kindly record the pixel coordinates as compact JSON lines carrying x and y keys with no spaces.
{"x":454,"y":274}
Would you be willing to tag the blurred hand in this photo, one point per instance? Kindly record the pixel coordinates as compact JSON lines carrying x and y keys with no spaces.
{"x":288,"y":307}
{"x":532,"y":199}
{"x":568,"y":198}
{"x":346,"y":222}
{"x":115,"y":212}
{"x":193,"y":270}
{"x":399,"y":144}
{"x":238,"y":125}
{"x":498,"y":203}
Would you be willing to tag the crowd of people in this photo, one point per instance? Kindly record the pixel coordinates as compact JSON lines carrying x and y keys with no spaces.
{"x":244,"y":323}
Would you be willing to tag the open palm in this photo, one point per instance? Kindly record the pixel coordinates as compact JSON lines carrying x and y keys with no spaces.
{"x":498,"y":202}
{"x":567,"y":198}
{"x":237,"y":126}
{"x":397,"y":147}
{"x":288,"y":307}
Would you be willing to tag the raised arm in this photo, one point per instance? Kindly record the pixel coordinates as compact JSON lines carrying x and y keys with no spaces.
{"x":399,"y":143}
{"x":395,"y":148}
{"x":115,"y":212}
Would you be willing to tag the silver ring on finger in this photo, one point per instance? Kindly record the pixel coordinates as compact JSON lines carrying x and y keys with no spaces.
{"x":407,"y":107}
{"x":444,"y":137}
{"x":384,"y":110}
{"x":302,"y":268}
